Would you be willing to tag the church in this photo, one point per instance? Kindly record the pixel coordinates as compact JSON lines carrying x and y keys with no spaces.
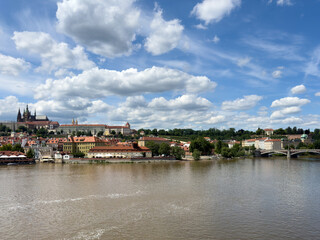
{"x":28,"y":117}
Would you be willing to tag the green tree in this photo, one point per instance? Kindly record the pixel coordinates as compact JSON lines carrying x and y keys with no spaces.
{"x":316,"y":144}
{"x":6,"y":147}
{"x":164,"y":149}
{"x":154,"y":147}
{"x":196,"y":154}
{"x":100,"y":133}
{"x":259,"y":131}
{"x":17,"y":147}
{"x":201,"y":145}
{"x":177,"y":152}
{"x":30,"y":153}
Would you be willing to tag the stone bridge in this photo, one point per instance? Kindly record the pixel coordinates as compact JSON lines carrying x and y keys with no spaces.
{"x":289,"y":152}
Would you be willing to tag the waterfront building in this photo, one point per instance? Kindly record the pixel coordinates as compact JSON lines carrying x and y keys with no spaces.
{"x":128,"y":150}
{"x":82,"y":144}
{"x":272,"y":144}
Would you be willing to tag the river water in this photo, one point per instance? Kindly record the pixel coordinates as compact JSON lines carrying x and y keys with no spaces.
{"x":243,"y":199}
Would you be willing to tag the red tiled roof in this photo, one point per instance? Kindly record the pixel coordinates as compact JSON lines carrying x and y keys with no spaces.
{"x":268,"y":129}
{"x":274,"y":140}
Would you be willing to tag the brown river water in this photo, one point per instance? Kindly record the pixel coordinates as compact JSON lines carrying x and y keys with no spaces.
{"x":243,"y":199}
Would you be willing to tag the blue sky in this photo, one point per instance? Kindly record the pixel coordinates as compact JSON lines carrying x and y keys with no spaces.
{"x":166,"y":64}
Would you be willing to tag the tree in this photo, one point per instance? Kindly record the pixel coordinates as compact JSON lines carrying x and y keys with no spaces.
{"x":21,"y":129}
{"x":154,"y":147}
{"x":196,"y":155}
{"x":79,"y":155}
{"x":164,"y":149}
{"x":316,"y":144}
{"x":6,"y":147}
{"x":177,"y":152}
{"x":259,"y":131}
{"x":17,"y":147}
{"x":30,"y":153}
{"x":100,"y":133}
{"x":42,"y":132}
{"x":201,"y":145}
{"x":113,"y":132}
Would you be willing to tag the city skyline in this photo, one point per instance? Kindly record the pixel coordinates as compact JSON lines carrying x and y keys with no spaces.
{"x":162,"y":64}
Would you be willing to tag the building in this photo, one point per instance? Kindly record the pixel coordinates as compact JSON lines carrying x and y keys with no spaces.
{"x":124,"y":130}
{"x":94,"y":129}
{"x":28,"y":117}
{"x":268,"y":131}
{"x":30,"y":121}
{"x":272,"y":144}
{"x":129,"y":150}
{"x":82,"y":144}
{"x":143,"y":140}
{"x":249,"y":143}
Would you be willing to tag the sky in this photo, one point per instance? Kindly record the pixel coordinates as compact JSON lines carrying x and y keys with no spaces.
{"x":163,"y":64}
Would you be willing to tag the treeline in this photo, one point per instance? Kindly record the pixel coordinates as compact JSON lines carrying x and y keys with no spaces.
{"x":165,"y":150}
{"x":224,"y":134}
{"x":200,"y":146}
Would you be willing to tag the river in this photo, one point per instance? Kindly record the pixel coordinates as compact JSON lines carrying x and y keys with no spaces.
{"x":243,"y":199}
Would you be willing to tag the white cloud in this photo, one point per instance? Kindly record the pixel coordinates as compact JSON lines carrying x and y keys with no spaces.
{"x":317,"y":94}
{"x":106,"y":28}
{"x":298,"y":89}
{"x":182,"y":111}
{"x":214,"y":10}
{"x":277,"y":74}
{"x":185,"y":102}
{"x":284,"y":2}
{"x":216,"y":39}
{"x":243,"y":61}
{"x":289,"y":102}
{"x":9,"y":107}
{"x":12,"y":66}
{"x":96,"y":83}
{"x":201,"y":26}
{"x":245,"y":103}
{"x":312,"y":67}
{"x":53,"y":55}
{"x":284,"y":112}
{"x":165,"y":35}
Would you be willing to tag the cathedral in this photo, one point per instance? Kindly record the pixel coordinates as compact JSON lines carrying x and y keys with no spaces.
{"x":28,"y":117}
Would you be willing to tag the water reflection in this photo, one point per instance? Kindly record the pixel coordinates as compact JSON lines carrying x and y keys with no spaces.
{"x":242,"y":199}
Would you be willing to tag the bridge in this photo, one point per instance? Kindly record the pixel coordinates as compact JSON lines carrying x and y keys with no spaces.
{"x":289,"y":152}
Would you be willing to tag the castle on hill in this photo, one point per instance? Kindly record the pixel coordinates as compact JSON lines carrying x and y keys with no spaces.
{"x":28,"y":117}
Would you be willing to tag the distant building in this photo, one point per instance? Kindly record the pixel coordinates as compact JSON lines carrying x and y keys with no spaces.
{"x":82,"y":144}
{"x":28,"y":117}
{"x":272,"y":144}
{"x":269,"y":131}
{"x":143,"y":140}
{"x":129,"y":150}
{"x":94,"y":129}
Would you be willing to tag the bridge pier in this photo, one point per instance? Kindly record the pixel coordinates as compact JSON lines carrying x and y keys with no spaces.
{"x":288,"y":154}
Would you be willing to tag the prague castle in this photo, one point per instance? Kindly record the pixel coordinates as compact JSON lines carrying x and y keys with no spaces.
{"x":27,"y":117}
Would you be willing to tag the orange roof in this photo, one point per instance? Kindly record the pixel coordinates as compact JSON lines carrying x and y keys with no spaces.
{"x":268,"y":129}
{"x":85,"y":139}
{"x":274,"y":140}
{"x":119,"y":148}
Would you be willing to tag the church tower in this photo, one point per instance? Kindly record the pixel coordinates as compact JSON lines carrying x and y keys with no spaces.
{"x":19,"y":119}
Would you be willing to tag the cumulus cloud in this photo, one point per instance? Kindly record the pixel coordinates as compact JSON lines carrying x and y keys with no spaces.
{"x":289,"y":102}
{"x":165,"y":35}
{"x":239,"y":104}
{"x":12,"y":66}
{"x":9,"y":107}
{"x":214,"y":10}
{"x":159,"y":112}
{"x":96,"y":83}
{"x":317,"y":94}
{"x":106,"y":28}
{"x":298,"y":89}
{"x":284,"y":112}
{"x":53,"y":55}
{"x":185,"y":102}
